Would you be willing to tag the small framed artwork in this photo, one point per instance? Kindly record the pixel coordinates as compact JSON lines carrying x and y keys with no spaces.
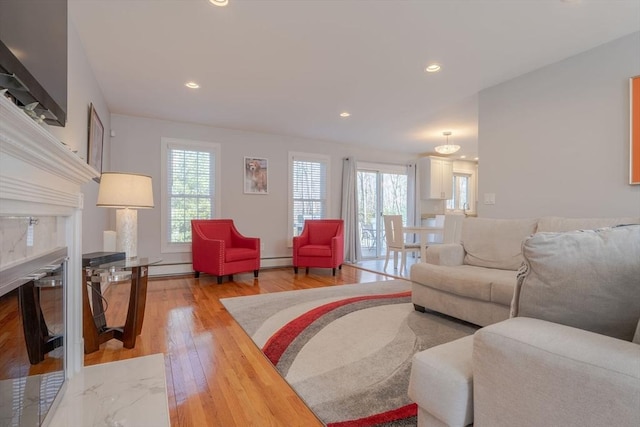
{"x":255,"y":175}
{"x":634,"y":131}
{"x":96,"y":138}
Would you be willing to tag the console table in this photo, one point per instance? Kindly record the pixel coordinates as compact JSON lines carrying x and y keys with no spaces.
{"x":95,"y":329}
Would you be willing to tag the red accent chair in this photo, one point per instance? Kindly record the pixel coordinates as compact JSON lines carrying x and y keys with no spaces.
{"x":219,"y":249}
{"x":321,"y":244}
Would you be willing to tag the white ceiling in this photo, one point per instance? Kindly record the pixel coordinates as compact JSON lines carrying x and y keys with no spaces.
{"x":291,"y":66}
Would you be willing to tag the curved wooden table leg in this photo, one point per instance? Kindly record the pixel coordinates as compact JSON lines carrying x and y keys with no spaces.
{"x":89,"y":329}
{"x":137,"y":304}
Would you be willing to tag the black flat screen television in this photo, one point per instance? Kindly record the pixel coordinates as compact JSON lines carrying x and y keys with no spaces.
{"x":33,"y":55}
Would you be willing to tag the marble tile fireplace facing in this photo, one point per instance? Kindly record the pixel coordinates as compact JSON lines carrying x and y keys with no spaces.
{"x":22,"y":237}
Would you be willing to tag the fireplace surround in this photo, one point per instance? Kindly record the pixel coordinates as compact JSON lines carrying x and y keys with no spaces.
{"x":41,"y":213}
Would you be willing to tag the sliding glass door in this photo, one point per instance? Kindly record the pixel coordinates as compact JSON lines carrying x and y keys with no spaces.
{"x":382,"y":190}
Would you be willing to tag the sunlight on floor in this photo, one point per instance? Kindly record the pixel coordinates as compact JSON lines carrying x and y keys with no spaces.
{"x":377,"y":265}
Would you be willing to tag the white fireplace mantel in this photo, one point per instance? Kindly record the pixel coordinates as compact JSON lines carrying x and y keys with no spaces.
{"x":36,"y":168}
{"x":41,"y":177}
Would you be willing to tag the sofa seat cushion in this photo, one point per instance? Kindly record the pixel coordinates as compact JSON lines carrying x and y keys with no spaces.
{"x":485,"y":284}
{"x":585,"y":279}
{"x":239,"y":254}
{"x":495,"y":243}
{"x":502,"y":290}
{"x":315,"y":250}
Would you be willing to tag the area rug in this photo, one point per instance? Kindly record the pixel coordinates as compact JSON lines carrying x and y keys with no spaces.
{"x":346,"y":350}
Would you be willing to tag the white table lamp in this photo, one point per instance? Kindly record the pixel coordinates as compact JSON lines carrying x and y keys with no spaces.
{"x":127,"y":192}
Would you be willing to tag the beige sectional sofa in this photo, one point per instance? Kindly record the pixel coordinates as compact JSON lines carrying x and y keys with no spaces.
{"x":568,"y":356}
{"x":474,"y":280}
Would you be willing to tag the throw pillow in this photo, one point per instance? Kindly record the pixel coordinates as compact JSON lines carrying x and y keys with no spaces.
{"x":587,"y":279}
{"x":557,"y":224}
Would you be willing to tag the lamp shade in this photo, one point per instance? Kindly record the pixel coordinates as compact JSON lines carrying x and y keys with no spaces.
{"x":125,"y":190}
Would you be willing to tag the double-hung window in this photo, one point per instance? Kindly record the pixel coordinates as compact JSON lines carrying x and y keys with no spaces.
{"x":463,"y":193}
{"x":190,"y":178}
{"x":308,"y":189}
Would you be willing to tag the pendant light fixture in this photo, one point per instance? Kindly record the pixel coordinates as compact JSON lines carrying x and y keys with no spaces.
{"x":447,"y":148}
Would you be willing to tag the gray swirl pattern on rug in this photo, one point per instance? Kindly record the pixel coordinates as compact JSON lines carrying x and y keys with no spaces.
{"x":357,"y":386}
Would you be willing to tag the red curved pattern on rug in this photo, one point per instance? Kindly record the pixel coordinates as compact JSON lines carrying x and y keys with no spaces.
{"x":385,"y":417}
{"x":278,"y":342}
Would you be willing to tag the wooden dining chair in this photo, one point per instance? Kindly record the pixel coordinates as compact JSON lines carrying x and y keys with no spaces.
{"x":395,"y":239}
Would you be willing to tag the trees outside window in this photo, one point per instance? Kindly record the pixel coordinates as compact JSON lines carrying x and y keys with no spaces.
{"x":189,"y":189}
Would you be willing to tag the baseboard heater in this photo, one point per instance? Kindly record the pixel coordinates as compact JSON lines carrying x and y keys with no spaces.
{"x":184,"y":268}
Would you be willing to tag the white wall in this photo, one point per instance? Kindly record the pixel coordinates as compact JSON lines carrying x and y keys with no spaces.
{"x":136,"y":147}
{"x":82,"y":91}
{"x":556,"y":141}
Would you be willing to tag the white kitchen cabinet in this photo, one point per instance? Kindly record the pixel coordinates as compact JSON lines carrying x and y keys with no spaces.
{"x":436,"y":178}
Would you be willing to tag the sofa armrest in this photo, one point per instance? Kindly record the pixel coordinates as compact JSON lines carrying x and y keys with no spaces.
{"x":240,"y":241}
{"x":209,"y":247}
{"x":450,"y":254}
{"x":337,"y":249}
{"x":301,"y":239}
{"x":206,"y":252}
{"x":534,"y":373}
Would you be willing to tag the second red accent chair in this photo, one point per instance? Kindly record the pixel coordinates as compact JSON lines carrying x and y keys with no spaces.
{"x":321,"y":244}
{"x":219,"y":249}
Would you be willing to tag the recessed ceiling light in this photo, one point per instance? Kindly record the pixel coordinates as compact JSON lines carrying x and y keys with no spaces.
{"x":219,"y":2}
{"x":433,"y":68}
{"x":463,"y":157}
{"x":476,"y":158}
{"x":192,"y":85}
{"x":345,"y":114}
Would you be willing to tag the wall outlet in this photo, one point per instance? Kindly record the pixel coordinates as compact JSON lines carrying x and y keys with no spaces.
{"x":489,"y":198}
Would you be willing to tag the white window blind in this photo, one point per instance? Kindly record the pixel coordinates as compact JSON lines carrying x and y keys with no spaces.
{"x":189,"y":190}
{"x":309,"y":189}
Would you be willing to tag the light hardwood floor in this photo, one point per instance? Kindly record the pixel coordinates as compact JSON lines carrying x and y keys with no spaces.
{"x":216,"y":376}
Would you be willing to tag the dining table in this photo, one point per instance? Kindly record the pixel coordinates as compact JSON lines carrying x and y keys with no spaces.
{"x":423,"y":232}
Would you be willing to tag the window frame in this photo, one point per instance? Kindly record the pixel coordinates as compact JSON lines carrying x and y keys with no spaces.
{"x":471,"y":174}
{"x":167,"y":145}
{"x":379,"y":245}
{"x":306,"y":157}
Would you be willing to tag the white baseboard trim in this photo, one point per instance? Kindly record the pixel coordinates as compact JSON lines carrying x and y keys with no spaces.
{"x":185,"y":268}
{"x":170,"y":269}
{"x":276,"y":262}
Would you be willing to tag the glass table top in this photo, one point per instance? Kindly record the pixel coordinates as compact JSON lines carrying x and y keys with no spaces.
{"x":131,"y":262}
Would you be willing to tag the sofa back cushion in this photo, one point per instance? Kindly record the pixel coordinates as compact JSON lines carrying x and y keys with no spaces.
{"x":495,"y":243}
{"x":216,"y":229}
{"x":321,"y":231}
{"x":556,"y":223}
{"x":586,"y":279}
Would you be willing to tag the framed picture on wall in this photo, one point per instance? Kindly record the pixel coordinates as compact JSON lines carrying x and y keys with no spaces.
{"x":255,"y":175}
{"x":96,"y":138}
{"x":634,"y":142}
